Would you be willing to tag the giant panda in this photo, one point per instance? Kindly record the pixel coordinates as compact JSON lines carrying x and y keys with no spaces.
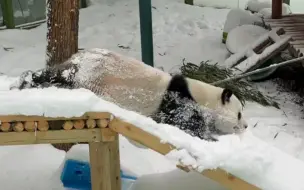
{"x":196,"y":107}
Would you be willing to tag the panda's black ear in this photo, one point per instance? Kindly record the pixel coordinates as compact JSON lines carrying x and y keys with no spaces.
{"x":226,"y":95}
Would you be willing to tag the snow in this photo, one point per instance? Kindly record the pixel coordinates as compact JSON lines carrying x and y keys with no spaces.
{"x":246,"y":157}
{"x":254,"y":58}
{"x":238,"y":17}
{"x":250,"y":54}
{"x":258,"y":5}
{"x":180,"y":32}
{"x":242,"y":36}
{"x":220,"y":4}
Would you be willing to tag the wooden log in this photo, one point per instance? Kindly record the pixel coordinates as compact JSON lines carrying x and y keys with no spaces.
{"x":78,"y":124}
{"x":18,"y":126}
{"x":102,"y":123}
{"x":5,"y":127}
{"x":91,"y":123}
{"x":68,"y":125}
{"x":43,"y":125}
{"x":88,"y":115}
{"x":30,"y":126}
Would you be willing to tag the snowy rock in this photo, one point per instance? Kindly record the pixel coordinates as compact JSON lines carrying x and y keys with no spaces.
{"x":258,"y":5}
{"x":238,"y":17}
{"x":242,"y":36}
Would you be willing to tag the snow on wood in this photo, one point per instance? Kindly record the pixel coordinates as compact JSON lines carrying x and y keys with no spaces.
{"x":255,"y":60}
{"x":258,"y":5}
{"x":246,"y":59}
{"x":242,"y":36}
{"x":244,"y":156}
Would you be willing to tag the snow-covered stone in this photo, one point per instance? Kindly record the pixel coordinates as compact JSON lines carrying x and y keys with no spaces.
{"x":238,"y":17}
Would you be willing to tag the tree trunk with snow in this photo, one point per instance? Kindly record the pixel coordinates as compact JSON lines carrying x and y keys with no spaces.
{"x":62,"y":34}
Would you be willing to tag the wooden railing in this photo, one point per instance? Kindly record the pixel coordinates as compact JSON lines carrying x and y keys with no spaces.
{"x":100,"y":131}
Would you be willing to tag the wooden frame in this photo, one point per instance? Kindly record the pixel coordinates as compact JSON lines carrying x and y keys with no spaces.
{"x":101,"y":131}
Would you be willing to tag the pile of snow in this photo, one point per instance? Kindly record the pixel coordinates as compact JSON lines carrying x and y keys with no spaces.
{"x":220,"y":4}
{"x":246,"y":157}
{"x":238,"y":17}
{"x":241,"y":37}
{"x":264,"y":6}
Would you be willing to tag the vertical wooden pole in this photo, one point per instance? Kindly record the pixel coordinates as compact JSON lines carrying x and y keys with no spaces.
{"x":105,"y":165}
{"x":277,"y":9}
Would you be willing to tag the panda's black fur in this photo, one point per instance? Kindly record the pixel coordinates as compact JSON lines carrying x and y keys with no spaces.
{"x":177,"y":106}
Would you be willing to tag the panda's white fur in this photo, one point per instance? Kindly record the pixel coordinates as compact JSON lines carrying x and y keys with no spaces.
{"x":138,"y":87}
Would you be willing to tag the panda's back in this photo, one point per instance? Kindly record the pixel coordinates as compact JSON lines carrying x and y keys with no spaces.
{"x":124,"y":81}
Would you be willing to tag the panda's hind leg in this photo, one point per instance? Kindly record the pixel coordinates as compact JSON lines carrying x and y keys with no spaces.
{"x":61,"y":76}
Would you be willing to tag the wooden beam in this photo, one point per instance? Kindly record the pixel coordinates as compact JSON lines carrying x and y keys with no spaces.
{"x":105,"y":165}
{"x":130,"y":131}
{"x":277,"y":9}
{"x":50,"y":137}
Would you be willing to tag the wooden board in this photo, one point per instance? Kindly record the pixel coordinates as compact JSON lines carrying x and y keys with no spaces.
{"x":128,"y":130}
{"x":50,"y":137}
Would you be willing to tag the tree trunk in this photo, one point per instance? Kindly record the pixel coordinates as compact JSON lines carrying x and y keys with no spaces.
{"x":62,"y":36}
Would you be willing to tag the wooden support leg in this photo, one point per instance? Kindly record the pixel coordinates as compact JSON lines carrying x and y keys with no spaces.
{"x":105,"y":165}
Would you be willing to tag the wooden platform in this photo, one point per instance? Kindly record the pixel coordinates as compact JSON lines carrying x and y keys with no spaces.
{"x":100,"y":131}
{"x":293,"y":26}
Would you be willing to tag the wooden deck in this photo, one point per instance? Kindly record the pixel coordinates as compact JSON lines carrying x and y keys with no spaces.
{"x":293,"y":26}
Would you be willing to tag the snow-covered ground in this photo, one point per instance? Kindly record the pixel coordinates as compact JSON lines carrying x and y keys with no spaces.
{"x":180,"y":31}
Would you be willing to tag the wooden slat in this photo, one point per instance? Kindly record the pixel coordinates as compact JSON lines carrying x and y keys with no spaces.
{"x":105,"y":165}
{"x":128,"y":130}
{"x":294,"y":27}
{"x":88,"y":115}
{"x":50,"y":137}
{"x":100,"y":165}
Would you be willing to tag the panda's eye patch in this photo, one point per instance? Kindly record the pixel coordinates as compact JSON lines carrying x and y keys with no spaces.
{"x":239,"y":116}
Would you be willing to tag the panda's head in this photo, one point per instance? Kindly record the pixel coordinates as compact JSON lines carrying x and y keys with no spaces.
{"x":228,"y":117}
{"x":229,"y":113}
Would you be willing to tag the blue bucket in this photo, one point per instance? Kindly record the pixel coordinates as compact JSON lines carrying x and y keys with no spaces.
{"x":76,"y":175}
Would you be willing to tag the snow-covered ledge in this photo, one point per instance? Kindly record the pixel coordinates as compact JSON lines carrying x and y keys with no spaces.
{"x":247,"y":157}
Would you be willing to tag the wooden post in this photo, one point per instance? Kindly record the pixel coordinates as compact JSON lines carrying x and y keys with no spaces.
{"x":277,"y":9}
{"x":105,"y":164}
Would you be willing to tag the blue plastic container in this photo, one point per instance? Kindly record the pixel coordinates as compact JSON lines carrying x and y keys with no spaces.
{"x":76,"y":175}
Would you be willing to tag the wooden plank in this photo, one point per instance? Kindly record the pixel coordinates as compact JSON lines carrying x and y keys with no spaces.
{"x":105,"y":165}
{"x":100,"y":165}
{"x":88,"y":115}
{"x":115,"y":164}
{"x":128,"y":130}
{"x":50,"y":137}
{"x":284,"y":24}
{"x":297,"y":42}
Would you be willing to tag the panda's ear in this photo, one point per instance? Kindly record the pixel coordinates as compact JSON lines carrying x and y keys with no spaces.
{"x":226,"y":95}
